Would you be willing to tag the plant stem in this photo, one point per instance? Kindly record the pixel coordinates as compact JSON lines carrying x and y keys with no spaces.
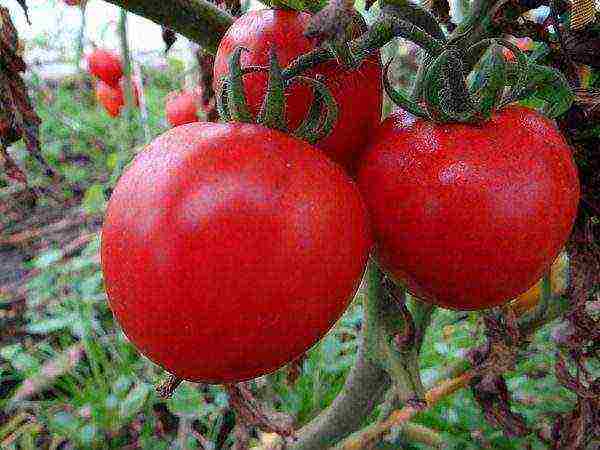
{"x":365,"y":385}
{"x":128,"y":87}
{"x":198,"y":20}
{"x":80,"y":37}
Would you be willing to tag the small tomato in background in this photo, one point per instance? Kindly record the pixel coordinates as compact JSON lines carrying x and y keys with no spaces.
{"x":559,"y":279}
{"x":182,"y":107}
{"x":113,"y":99}
{"x":524,"y":44}
{"x":105,"y":65}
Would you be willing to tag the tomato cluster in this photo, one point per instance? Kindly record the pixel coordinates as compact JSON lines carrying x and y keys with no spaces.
{"x":106,"y":66}
{"x":230,"y":249}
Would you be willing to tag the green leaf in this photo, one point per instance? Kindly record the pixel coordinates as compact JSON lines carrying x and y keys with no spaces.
{"x":94,"y":199}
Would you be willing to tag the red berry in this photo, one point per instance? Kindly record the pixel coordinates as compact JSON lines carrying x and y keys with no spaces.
{"x":358,"y":92}
{"x":106,"y":66}
{"x":470,"y":216}
{"x":229,"y":250}
{"x":182,"y":107}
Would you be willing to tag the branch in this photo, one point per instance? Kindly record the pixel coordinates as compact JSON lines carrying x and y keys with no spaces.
{"x":364,"y":389}
{"x":198,"y":20}
{"x":456,"y":378}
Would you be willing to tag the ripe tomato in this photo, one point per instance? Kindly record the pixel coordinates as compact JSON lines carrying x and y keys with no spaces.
{"x":182,"y":107}
{"x":73,"y":2}
{"x":230,"y":249}
{"x":113,"y":99}
{"x":468,"y":216}
{"x":559,"y":278}
{"x":106,"y":66}
{"x":358,"y":92}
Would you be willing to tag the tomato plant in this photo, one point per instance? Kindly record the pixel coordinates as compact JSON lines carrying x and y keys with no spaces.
{"x":182,"y":107}
{"x":229,"y":249}
{"x":106,"y":66}
{"x":357,"y":92}
{"x":467,"y":216}
{"x":113,"y":99}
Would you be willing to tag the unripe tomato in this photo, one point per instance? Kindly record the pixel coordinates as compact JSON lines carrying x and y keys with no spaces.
{"x":358,"y":93}
{"x":228,"y":250}
{"x":113,"y":99}
{"x":470,"y":216}
{"x":106,"y":66}
{"x":559,"y":279}
{"x":182,"y":107}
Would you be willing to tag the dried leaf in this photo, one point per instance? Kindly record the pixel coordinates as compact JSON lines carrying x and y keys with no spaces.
{"x":253,"y":414}
{"x":23,"y":4}
{"x":492,"y":395}
{"x":169,"y":37}
{"x":18,"y":119}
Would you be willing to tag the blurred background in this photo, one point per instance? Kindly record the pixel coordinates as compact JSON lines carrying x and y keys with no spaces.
{"x":68,"y":377}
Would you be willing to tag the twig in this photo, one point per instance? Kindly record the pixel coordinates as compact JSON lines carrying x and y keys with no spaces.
{"x":198,"y":20}
{"x":402,"y":416}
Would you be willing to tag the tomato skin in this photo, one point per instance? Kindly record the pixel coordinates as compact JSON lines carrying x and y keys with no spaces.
{"x":468,"y":217}
{"x":182,"y":107}
{"x":358,"y":93}
{"x":106,"y":66}
{"x":230,"y":249}
{"x":113,"y":99}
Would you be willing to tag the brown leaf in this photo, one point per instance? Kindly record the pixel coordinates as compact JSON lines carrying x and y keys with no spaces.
{"x":18,"y":119}
{"x":169,"y":37}
{"x":253,"y":414}
{"x":11,"y":169}
{"x":336,"y":21}
{"x":492,"y":395}
{"x":23,"y":4}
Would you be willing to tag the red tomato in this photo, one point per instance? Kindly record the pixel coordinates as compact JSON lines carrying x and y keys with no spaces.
{"x":469,"y":217}
{"x":228,"y":250}
{"x":358,"y":92}
{"x":106,"y":66}
{"x":72,"y":2}
{"x":113,"y":99}
{"x":523,"y":43}
{"x":182,"y":107}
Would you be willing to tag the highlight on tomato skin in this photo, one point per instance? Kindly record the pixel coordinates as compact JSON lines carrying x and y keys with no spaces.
{"x":230,"y":249}
{"x":358,"y":92}
{"x":470,"y":217}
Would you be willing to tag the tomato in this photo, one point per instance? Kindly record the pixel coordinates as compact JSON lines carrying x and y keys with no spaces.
{"x":230,"y":249}
{"x":524,"y":44}
{"x":182,"y":107}
{"x":559,"y":277}
{"x":358,"y":92}
{"x":106,"y":66}
{"x":72,"y":2}
{"x":113,"y":99}
{"x":470,"y":216}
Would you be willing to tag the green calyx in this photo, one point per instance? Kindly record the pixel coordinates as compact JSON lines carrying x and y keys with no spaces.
{"x":232,"y":104}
